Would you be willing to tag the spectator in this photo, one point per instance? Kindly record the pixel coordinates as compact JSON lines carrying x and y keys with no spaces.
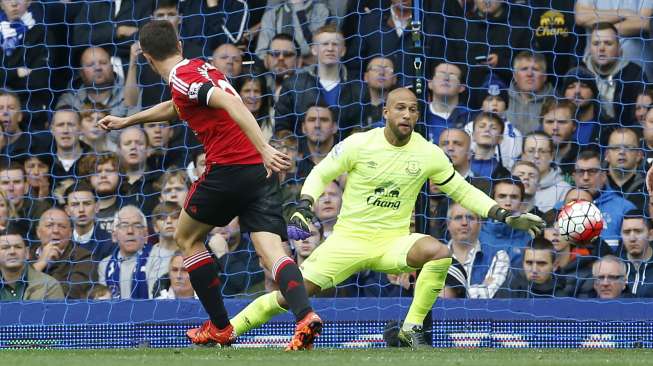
{"x":509,"y":193}
{"x":529,"y":175}
{"x":579,"y":87}
{"x":590,"y":176}
{"x":457,"y":145}
{"x":636,"y":252}
{"x":37,"y":169}
{"x":304,"y":248}
{"x":643,"y":104}
{"x":609,"y":277}
{"x":486,"y":265}
{"x":109,"y":24}
{"x":164,"y":220}
{"x":178,"y":281}
{"x":327,"y":82}
{"x":281,"y":62}
{"x":320,"y":130}
{"x":7,"y":213}
{"x":298,"y":18}
{"x":24,"y":61}
{"x":91,"y":134}
{"x":17,"y":143}
{"x":81,"y":207}
{"x":102,"y":171}
{"x":555,"y":34}
{"x":228,"y":59}
{"x":527,"y":90}
{"x":380,"y":78}
{"x":538,"y":149}
{"x":630,"y":19}
{"x":446,"y":109}
{"x":138,"y":185}
{"x":562,"y":247}
{"x":14,"y":185}
{"x":162,"y":155}
{"x":624,"y":157}
{"x":60,"y":258}
{"x":211,"y":23}
{"x":487,"y":44}
{"x":173,"y":186}
{"x":536,"y":278}
{"x":618,"y":80}
{"x":98,"y":83}
{"x":65,"y":127}
{"x":288,"y":183}
{"x":558,"y":122}
{"x":327,"y":207}
{"x":487,"y":135}
{"x":125,"y":270}
{"x":256,"y":96}
{"x":18,"y":280}
{"x":385,"y":31}
{"x":496,"y":101}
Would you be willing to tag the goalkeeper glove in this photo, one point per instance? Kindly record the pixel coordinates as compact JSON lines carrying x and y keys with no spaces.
{"x":298,"y":225}
{"x":528,"y":222}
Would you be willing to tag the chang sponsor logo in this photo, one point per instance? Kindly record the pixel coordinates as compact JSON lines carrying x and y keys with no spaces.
{"x":385,"y":197}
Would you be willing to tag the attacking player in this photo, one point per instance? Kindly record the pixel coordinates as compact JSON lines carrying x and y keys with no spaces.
{"x":237,"y":182}
{"x":386,"y":169}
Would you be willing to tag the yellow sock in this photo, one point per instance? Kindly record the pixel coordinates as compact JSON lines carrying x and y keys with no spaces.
{"x":427,"y":288}
{"x":258,"y":312}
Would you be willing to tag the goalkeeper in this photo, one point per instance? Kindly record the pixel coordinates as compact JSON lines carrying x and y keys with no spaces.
{"x":386,"y":169}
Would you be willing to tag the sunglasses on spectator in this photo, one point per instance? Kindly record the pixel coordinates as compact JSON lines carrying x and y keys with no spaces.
{"x":590,"y":171}
{"x":286,"y":54}
{"x":609,"y":278}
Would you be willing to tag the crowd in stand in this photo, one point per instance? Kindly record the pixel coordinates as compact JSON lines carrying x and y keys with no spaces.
{"x":536,"y":102}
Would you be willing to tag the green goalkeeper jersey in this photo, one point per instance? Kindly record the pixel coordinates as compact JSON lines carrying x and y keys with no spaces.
{"x":383,"y":182}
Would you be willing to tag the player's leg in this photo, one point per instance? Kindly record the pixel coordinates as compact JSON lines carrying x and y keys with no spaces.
{"x":407,"y":254}
{"x":331,"y":263}
{"x":285,"y":271}
{"x":203,"y":272}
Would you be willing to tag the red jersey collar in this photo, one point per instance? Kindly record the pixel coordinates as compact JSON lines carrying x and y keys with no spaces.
{"x":179,"y":64}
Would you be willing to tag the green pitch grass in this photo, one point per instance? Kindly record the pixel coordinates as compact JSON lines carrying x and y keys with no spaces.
{"x":331,"y":357}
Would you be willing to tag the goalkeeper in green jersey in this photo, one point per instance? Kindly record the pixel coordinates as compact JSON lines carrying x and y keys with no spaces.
{"x":386,"y":168}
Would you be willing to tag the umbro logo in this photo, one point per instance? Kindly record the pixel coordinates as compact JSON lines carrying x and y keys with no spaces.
{"x":372,"y":164}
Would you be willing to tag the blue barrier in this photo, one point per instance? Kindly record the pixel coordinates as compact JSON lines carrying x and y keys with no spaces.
{"x":355,"y":322}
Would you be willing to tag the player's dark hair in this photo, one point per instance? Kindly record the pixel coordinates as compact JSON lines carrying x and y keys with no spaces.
{"x":540,"y":243}
{"x":492,"y":117}
{"x":81,"y":185}
{"x":158,"y":38}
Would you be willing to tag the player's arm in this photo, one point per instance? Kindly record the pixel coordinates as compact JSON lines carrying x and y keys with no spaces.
{"x":473,"y":199}
{"x":337,"y":162}
{"x":164,"y":111}
{"x":218,"y":98}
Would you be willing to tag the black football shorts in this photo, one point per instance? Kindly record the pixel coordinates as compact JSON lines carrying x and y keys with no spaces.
{"x":226,"y":191}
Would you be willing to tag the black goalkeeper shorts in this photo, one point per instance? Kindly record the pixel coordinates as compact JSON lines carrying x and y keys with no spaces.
{"x":226,"y":191}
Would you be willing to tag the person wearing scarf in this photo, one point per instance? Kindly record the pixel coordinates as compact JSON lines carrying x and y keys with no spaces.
{"x":124,"y":272}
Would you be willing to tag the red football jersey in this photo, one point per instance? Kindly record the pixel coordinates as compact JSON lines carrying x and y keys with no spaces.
{"x":224,"y":142}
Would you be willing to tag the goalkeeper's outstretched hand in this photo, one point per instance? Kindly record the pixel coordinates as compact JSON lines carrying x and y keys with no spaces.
{"x":298,"y":225}
{"x":533,"y":224}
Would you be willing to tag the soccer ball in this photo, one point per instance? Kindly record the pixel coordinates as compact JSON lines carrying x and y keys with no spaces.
{"x":580,"y":222}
